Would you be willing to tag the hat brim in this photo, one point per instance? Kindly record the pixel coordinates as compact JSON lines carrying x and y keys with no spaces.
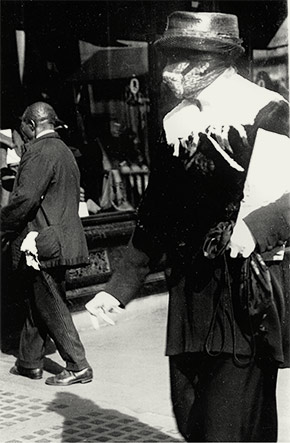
{"x":203,"y":44}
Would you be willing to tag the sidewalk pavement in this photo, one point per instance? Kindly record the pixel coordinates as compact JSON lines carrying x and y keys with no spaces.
{"x":128,"y":400}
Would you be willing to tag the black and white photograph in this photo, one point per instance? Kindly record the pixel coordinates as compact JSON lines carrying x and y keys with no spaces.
{"x":145,"y":221}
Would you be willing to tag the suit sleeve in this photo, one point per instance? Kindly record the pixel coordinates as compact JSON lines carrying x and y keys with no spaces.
{"x":144,"y":250}
{"x":34,"y":176}
{"x":130,"y":274}
{"x":151,"y":235}
{"x":270,"y":225}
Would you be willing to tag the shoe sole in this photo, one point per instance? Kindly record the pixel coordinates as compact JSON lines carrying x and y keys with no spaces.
{"x":70,"y":383}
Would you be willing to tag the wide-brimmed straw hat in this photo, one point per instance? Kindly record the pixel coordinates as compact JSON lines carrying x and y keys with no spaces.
{"x":202,"y":31}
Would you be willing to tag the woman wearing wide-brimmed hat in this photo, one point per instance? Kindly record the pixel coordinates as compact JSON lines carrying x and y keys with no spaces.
{"x":224,"y":232}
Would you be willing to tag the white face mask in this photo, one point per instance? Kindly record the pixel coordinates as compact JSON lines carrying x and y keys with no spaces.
{"x":187,"y":78}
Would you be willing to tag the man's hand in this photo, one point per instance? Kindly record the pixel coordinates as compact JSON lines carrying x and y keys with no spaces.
{"x":242,"y":242}
{"x":103,"y":304}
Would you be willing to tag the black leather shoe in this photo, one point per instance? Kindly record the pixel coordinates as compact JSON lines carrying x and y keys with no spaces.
{"x":66,"y":378}
{"x":34,"y":374}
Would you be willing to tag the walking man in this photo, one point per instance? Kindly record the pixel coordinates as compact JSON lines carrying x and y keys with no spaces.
{"x":42,"y":218}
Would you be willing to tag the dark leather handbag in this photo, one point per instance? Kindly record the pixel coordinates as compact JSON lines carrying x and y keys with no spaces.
{"x":256,"y":292}
{"x":255,"y":288}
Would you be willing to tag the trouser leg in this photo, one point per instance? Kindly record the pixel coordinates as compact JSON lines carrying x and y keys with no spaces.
{"x":32,"y":340}
{"x":216,"y":400}
{"x":50,"y":304}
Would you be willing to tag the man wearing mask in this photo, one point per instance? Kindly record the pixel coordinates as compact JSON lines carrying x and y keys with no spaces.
{"x":227,"y":257}
{"x":47,"y":238}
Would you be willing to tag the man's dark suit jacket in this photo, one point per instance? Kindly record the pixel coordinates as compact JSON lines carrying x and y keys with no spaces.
{"x":46,"y":199}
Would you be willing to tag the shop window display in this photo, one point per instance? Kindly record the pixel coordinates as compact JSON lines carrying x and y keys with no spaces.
{"x":114,"y":154}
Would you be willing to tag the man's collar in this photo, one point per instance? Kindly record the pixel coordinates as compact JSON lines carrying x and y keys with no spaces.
{"x":44,"y":132}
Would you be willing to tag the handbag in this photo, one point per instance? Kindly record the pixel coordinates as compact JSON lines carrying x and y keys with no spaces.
{"x":255,"y":290}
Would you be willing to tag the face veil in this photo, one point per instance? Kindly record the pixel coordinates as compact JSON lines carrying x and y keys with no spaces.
{"x":188,"y":76}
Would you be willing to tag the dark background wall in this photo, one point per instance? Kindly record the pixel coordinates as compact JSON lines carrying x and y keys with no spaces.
{"x":53,"y":29}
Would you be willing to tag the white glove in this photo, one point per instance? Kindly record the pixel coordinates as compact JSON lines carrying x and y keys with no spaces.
{"x":242,"y":241}
{"x":101,"y":305}
{"x":28,"y":246}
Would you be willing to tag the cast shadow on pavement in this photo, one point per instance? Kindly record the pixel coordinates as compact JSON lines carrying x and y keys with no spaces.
{"x":84,"y":421}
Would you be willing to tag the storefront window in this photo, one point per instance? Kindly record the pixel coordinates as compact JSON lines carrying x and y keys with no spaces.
{"x":111,"y":108}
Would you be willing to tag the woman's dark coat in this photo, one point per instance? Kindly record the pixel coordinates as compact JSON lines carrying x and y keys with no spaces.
{"x":180,"y":206}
